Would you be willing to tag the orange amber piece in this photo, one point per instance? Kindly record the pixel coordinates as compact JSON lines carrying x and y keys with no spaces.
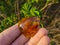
{"x":29,"y":26}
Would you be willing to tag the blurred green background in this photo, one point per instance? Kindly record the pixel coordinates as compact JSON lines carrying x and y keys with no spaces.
{"x":12,"y":11}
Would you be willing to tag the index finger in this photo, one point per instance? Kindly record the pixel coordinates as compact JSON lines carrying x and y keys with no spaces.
{"x":10,"y":34}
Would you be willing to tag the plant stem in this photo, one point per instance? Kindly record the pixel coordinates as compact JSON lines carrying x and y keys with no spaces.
{"x":3,"y":15}
{"x":46,"y":6}
{"x":17,"y":9}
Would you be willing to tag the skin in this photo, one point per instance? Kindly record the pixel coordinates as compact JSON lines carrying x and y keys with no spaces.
{"x":13,"y":36}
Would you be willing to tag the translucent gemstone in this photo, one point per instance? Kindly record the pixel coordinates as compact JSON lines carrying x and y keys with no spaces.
{"x":29,"y":26}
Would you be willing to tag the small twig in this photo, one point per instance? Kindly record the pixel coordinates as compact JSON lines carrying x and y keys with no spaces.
{"x":2,"y":15}
{"x":57,"y":9}
{"x":46,"y":6}
{"x":47,"y":9}
{"x":17,"y":9}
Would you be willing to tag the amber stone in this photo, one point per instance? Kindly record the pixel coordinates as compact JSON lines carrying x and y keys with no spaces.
{"x":29,"y":26}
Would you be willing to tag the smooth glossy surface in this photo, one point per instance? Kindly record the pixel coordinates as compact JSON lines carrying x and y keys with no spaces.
{"x":29,"y":26}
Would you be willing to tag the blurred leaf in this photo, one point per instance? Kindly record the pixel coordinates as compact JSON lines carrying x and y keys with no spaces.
{"x":52,"y":43}
{"x":30,"y":1}
{"x":37,"y":1}
{"x":9,"y":21}
{"x":32,"y":10}
{"x":48,"y":0}
{"x":56,"y":1}
{"x":37,"y":12}
{"x":28,"y":10}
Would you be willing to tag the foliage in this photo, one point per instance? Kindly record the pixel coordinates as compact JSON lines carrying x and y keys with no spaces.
{"x":52,"y":43}
{"x":7,"y":7}
{"x":28,"y":10}
{"x":9,"y":21}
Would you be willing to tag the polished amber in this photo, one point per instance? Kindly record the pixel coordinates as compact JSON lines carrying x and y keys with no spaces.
{"x":29,"y":26}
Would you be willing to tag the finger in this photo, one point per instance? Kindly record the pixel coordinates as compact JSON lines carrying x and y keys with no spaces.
{"x":44,"y":41}
{"x":10,"y":34}
{"x":34,"y":40}
{"x":20,"y":41}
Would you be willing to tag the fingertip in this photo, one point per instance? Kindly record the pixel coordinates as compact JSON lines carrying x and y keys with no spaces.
{"x":44,"y":30}
{"x":44,"y":41}
{"x":47,"y":38}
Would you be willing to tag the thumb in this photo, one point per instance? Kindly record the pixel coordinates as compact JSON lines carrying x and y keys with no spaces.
{"x":35,"y":39}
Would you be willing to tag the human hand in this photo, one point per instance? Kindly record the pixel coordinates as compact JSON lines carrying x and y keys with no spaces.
{"x":13,"y":36}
